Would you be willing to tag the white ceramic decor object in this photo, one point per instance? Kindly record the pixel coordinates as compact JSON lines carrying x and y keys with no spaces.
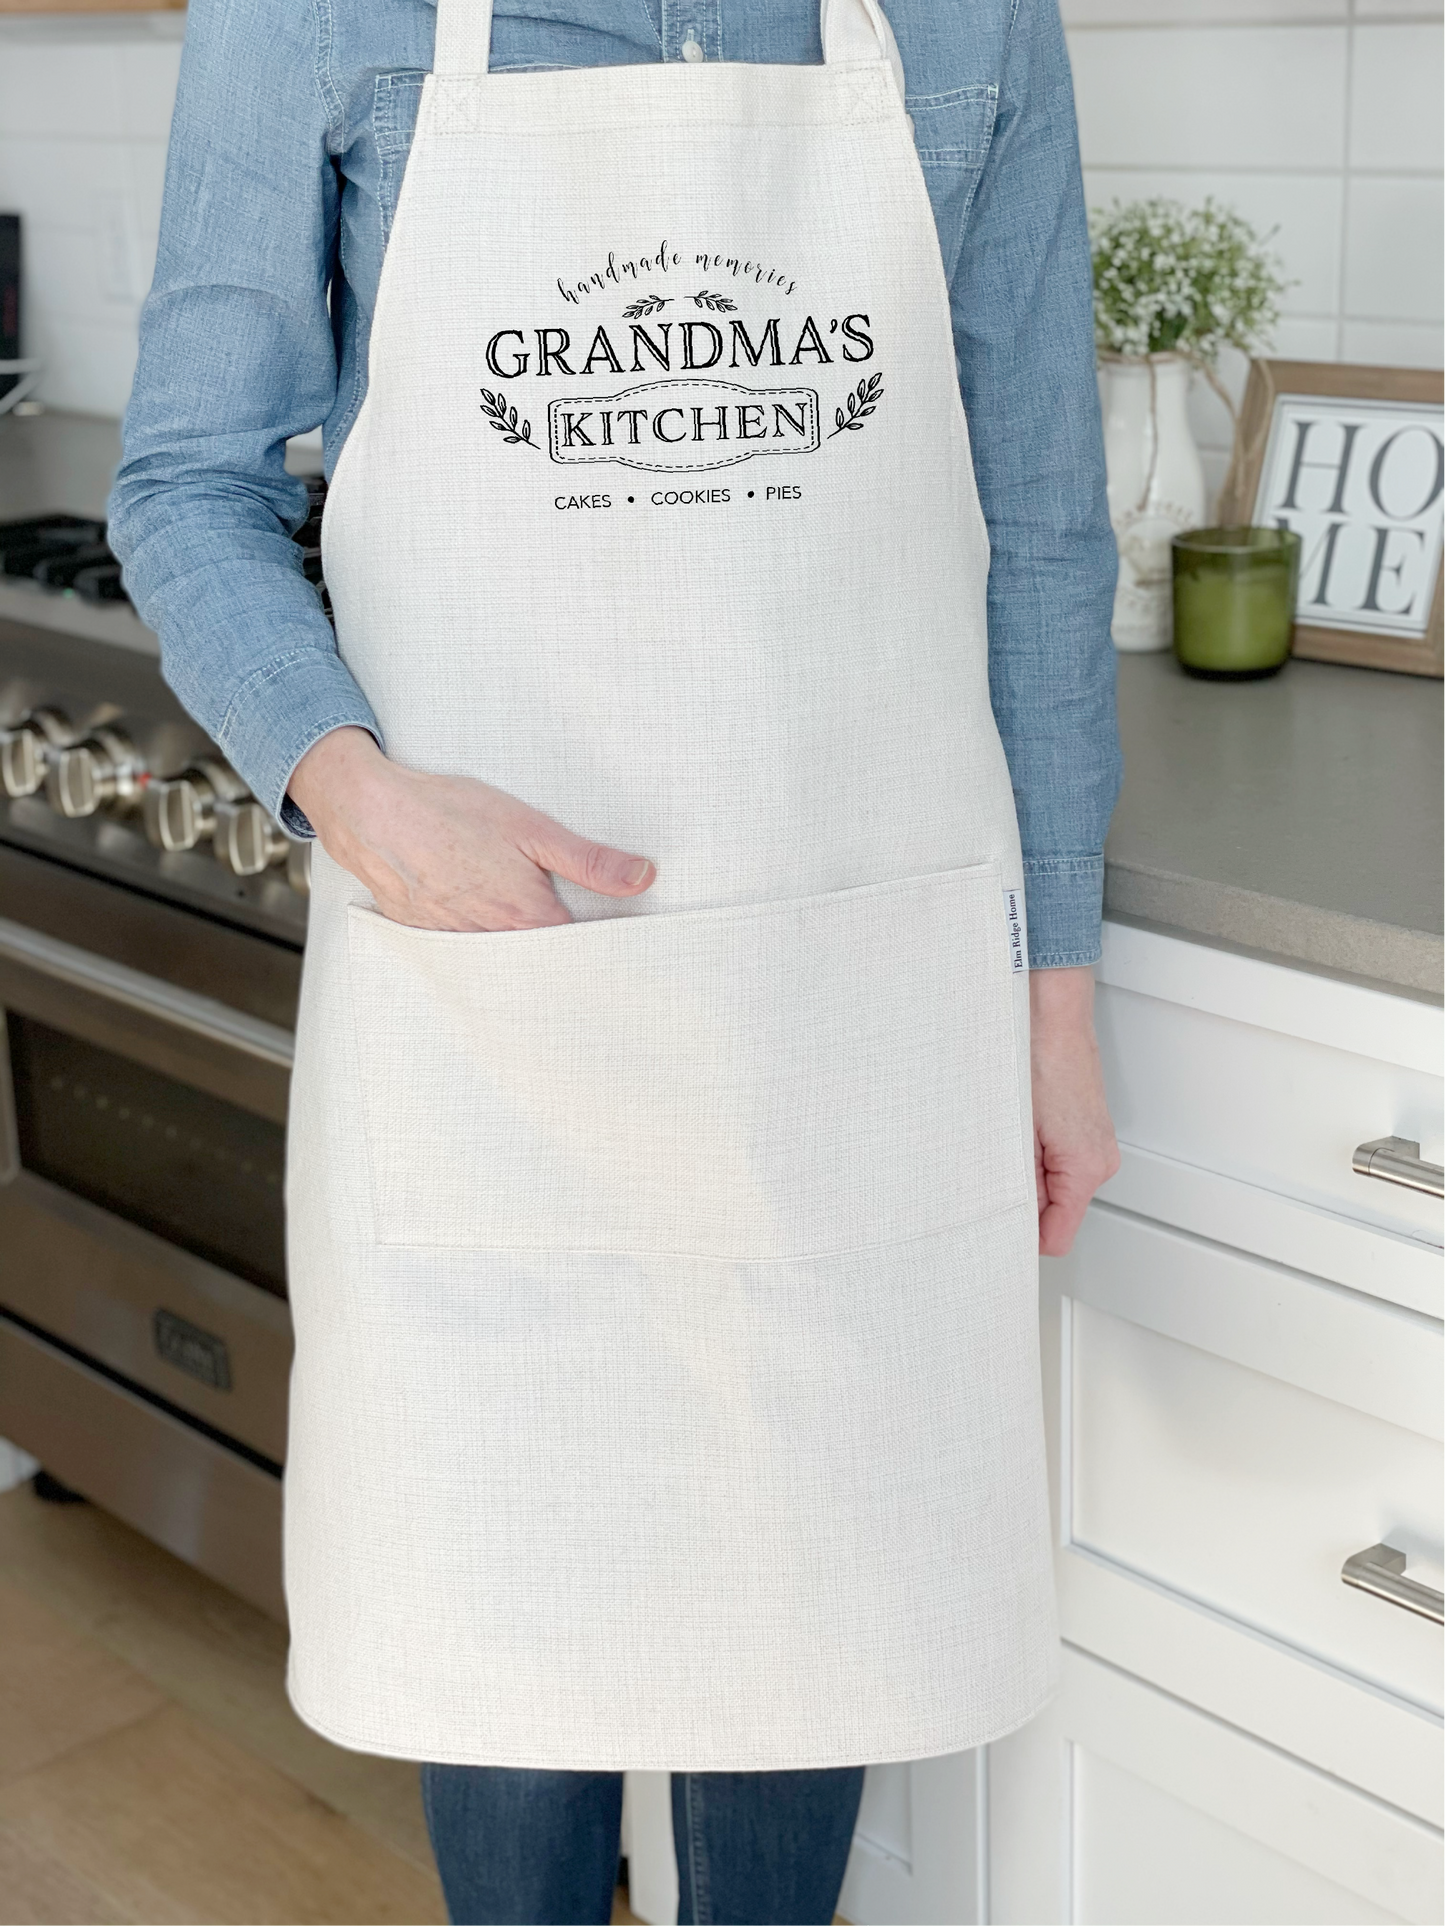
{"x":1156,"y":489}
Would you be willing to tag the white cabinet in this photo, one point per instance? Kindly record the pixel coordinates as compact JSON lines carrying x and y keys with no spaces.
{"x":1242,"y":1379}
{"x":1269,"y":1075}
{"x":1236,"y":1432}
{"x":1122,"y":1804}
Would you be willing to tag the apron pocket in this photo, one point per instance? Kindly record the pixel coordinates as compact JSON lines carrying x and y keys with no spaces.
{"x":771,"y":1081}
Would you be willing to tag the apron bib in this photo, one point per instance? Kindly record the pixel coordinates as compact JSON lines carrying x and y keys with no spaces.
{"x":667,"y":1383}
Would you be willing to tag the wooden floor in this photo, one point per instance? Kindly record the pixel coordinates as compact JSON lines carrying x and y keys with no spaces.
{"x":151,"y":1768}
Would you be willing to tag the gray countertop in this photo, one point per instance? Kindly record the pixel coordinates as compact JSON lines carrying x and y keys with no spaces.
{"x":56,"y":461}
{"x":1298,"y":818}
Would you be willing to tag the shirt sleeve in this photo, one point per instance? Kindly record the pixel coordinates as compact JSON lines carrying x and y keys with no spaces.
{"x":1022,"y":306}
{"x":236,"y":354}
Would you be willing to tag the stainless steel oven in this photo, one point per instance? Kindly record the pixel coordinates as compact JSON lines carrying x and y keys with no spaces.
{"x":151,"y":926}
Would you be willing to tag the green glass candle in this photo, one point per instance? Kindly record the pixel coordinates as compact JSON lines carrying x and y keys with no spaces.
{"x":1234,"y":600}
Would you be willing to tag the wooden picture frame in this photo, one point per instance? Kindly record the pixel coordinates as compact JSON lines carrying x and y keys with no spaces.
{"x":1359,"y":406}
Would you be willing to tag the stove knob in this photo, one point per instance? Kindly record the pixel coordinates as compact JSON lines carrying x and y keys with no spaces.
{"x":248,"y":838}
{"x":181,"y":811}
{"x":103,"y":771}
{"x":26,"y":748}
{"x":298,"y":868}
{"x":22,"y":761}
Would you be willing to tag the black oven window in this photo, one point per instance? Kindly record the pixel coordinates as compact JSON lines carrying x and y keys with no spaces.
{"x":194,"y":1169}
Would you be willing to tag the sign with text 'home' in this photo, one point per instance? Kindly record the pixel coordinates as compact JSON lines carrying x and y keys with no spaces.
{"x":1361,"y":483}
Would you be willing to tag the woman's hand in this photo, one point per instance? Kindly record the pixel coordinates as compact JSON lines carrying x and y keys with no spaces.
{"x":444,"y":852}
{"x":1074,"y":1147}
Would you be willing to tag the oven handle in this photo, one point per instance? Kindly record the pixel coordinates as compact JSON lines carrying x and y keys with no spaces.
{"x":183,"y":1009}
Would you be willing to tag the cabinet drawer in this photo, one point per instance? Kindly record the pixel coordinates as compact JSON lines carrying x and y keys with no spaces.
{"x":206,"y":1504}
{"x":1269,"y":1075}
{"x":1121,"y":1804}
{"x":1234,"y":1432}
{"x":211,"y":1343}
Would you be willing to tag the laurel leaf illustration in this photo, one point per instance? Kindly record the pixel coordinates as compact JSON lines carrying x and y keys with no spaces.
{"x":719,"y":303}
{"x":649,"y":304}
{"x":860,"y":403}
{"x":504,"y":418}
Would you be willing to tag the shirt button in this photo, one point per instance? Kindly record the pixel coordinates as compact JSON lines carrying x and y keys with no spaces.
{"x":692,"y":51}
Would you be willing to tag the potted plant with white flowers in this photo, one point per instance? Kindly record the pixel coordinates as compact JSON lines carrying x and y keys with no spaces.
{"x":1173,"y":287}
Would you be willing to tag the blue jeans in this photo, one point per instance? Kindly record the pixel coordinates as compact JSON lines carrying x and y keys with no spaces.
{"x":524,"y":1848}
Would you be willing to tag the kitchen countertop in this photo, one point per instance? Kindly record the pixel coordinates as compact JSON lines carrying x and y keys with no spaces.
{"x":1297,"y":818}
{"x":54,"y":461}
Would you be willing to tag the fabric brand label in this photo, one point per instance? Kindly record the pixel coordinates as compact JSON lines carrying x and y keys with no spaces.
{"x":1018,"y":948}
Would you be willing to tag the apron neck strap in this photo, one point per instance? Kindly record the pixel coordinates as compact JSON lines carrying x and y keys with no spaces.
{"x":464,"y":36}
{"x":858,"y":30}
{"x":853,"y":30}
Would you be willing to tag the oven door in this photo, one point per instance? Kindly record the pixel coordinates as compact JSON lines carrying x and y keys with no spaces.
{"x":141,"y":1161}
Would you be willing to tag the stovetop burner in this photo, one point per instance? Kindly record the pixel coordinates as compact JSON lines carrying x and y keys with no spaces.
{"x":62,"y":551}
{"x":70,"y":551}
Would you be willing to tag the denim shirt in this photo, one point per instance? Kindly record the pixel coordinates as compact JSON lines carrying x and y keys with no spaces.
{"x":292,"y":126}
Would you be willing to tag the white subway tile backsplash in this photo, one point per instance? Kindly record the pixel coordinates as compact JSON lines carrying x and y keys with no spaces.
{"x":70,"y":276}
{"x":1305,"y":209}
{"x":1154,"y":13}
{"x":89,"y":366}
{"x":84,"y":114}
{"x":60,"y":88}
{"x":1421,"y":9}
{"x":1256,"y":97}
{"x":1394,"y":255}
{"x":54,"y":181}
{"x":148,"y":74}
{"x":147,"y":159}
{"x":1256,"y":117}
{"x":1298,"y":338}
{"x":1395,"y":118}
{"x":1393,"y":344}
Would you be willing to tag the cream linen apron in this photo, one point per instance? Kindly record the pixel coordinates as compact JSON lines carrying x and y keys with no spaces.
{"x":667,"y":1382}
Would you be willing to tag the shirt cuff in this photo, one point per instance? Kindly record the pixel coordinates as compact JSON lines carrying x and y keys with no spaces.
{"x":278,"y":713}
{"x":1064,"y":900}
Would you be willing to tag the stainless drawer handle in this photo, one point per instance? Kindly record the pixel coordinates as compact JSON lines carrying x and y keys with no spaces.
{"x":1381,"y":1571}
{"x":151,"y":996}
{"x":1397,"y":1160}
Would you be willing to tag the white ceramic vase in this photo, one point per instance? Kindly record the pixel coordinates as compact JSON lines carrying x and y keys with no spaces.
{"x":1156,"y":488}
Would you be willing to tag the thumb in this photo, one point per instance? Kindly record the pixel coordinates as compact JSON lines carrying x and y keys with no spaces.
{"x":612,"y":872}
